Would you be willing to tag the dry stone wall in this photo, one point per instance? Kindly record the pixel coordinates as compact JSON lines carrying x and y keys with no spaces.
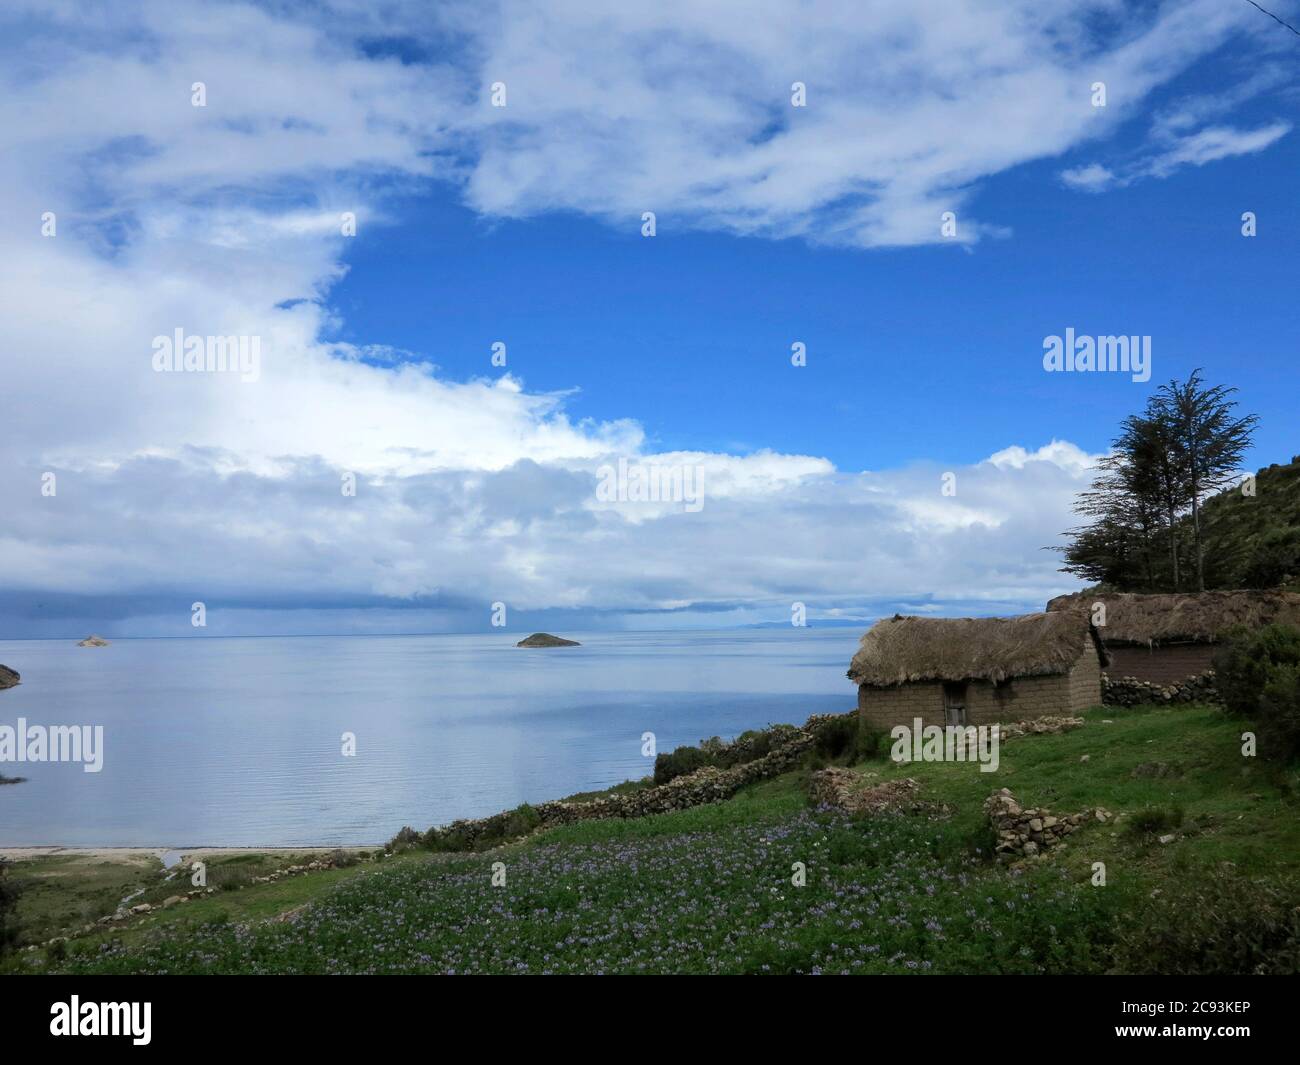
{"x":705,"y":785}
{"x":1026,"y":833}
{"x":1129,"y":691}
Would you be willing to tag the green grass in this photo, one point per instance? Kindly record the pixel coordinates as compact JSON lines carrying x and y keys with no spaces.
{"x":709,"y":889}
{"x":64,"y":892}
{"x":1235,"y":809}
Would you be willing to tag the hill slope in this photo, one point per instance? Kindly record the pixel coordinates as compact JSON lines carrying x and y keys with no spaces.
{"x":713,"y":888}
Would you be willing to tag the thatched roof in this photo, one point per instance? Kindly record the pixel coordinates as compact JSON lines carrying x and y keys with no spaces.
{"x":902,"y":649}
{"x":1198,"y":617}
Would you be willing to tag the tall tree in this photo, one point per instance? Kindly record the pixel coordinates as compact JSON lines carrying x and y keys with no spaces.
{"x":1207,"y":442}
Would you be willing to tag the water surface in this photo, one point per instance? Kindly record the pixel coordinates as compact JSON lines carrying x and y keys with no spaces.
{"x":237,"y":742}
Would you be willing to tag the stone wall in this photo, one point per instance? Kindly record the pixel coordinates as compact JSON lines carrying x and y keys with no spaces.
{"x":1027,"y":833}
{"x":1128,"y":691}
{"x":707,"y":784}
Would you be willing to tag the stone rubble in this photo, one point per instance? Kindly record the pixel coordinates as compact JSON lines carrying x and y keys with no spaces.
{"x":1028,"y":833}
{"x":843,"y":790}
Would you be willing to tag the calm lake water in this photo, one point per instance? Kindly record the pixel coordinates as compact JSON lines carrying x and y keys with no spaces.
{"x":236,"y":742}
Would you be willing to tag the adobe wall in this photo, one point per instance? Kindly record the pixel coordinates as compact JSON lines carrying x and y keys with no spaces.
{"x":1023,"y":699}
{"x":1160,"y":665}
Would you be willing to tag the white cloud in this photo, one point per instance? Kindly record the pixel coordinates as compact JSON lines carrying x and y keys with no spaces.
{"x":1091,"y":178}
{"x":222,"y":220}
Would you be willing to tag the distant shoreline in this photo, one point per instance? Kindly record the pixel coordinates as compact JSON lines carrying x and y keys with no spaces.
{"x":27,"y":853}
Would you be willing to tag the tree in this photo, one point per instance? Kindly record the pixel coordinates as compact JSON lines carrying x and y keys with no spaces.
{"x":1186,"y":444}
{"x":1206,"y":443}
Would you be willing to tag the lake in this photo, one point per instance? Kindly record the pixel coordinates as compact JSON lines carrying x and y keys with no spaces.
{"x":238,"y":742}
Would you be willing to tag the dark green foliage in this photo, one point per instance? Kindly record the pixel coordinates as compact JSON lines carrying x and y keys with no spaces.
{"x":1279,"y":715}
{"x":1154,"y":820}
{"x":9,"y":892}
{"x":745,"y":748}
{"x":844,"y":740}
{"x":1214,"y":925}
{"x":1258,"y":677}
{"x":406,"y":837}
{"x":1155,"y":522}
{"x":682,"y":761}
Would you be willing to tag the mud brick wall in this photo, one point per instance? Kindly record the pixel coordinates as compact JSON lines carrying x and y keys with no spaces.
{"x":1160,"y":665}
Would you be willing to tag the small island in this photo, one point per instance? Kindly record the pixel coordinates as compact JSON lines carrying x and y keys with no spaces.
{"x":93,"y":641}
{"x":545,"y":639}
{"x":8,"y":678}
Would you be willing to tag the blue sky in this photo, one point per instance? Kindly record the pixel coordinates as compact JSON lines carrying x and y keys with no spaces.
{"x":478,"y":485}
{"x":932,"y":350}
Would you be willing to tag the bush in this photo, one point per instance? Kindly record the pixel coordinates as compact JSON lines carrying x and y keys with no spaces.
{"x":682,"y":761}
{"x":1222,"y":926}
{"x":1279,"y":715}
{"x":845,"y":740}
{"x":9,"y":892}
{"x":406,"y":837}
{"x":1258,"y":677}
{"x":1154,"y":820}
{"x":520,"y":821}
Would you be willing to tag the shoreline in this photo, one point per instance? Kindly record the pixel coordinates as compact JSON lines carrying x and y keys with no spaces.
{"x":28,"y":853}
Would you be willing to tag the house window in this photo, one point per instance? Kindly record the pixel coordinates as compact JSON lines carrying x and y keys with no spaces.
{"x":954,"y":702}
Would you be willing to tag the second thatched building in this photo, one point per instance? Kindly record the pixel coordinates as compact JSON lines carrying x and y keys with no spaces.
{"x":973,"y":671}
{"x":1164,"y":639}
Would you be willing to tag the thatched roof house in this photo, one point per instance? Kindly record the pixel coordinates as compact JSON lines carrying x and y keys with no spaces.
{"x":1167,"y":638}
{"x":976,"y":670}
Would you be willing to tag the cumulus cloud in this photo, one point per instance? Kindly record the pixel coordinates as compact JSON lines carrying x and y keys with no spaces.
{"x":226,"y":220}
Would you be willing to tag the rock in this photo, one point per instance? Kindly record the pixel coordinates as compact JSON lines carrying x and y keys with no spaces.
{"x":1168,"y":839}
{"x":8,"y":678}
{"x":1035,"y":824}
{"x":142,"y":907}
{"x":93,"y":641}
{"x":172,"y":900}
{"x":1085,"y":757}
{"x":545,"y":639}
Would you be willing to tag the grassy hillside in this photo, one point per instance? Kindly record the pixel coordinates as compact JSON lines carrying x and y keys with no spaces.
{"x":710,"y":889}
{"x":1254,"y":541}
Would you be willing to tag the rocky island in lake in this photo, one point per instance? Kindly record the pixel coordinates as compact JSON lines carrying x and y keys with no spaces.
{"x":8,"y":678}
{"x":545,"y":639}
{"x":93,"y":641}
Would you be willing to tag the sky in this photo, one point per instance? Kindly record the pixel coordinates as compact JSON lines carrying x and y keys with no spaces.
{"x":377,"y":194}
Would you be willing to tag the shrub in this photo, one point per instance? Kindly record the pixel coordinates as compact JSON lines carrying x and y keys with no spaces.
{"x":1279,"y":715}
{"x":682,"y":761}
{"x":1258,"y":677}
{"x":1154,"y":820}
{"x":845,"y":740}
{"x":520,"y":821}
{"x":9,"y":892}
{"x":406,"y":837}
{"x":1217,"y":925}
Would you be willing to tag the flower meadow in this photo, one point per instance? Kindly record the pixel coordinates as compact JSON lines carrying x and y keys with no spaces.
{"x":893,"y":894}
